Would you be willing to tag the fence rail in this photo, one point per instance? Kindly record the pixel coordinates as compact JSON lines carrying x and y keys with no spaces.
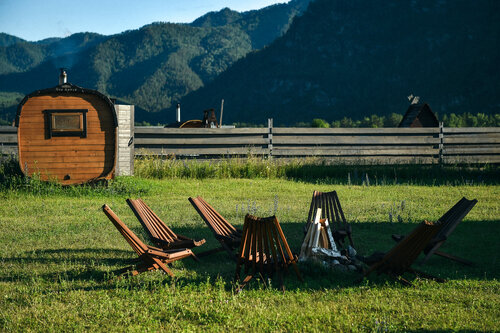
{"x":8,"y":140}
{"x":343,"y":145}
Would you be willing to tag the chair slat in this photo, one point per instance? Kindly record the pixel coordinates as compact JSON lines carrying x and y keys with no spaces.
{"x":159,"y":233}
{"x":264,"y":249}
{"x":228,"y":236}
{"x":448,"y":222}
{"x":400,"y":258}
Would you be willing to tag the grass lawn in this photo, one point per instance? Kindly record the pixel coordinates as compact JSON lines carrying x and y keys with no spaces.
{"x":57,"y":252}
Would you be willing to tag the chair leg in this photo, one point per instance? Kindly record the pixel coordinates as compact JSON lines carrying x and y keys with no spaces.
{"x":430,"y":253}
{"x":454,"y":258}
{"x":163,"y":267}
{"x":230,"y":251}
{"x":282,"y":283}
{"x":244,"y":283}
{"x":122,"y":271}
{"x":195,"y":258}
{"x":404,"y":282}
{"x":401,"y":280}
{"x":134,"y":270}
{"x":263,"y":280}
{"x":297,"y":272}
{"x":209,"y":252}
{"x":237,"y":273}
{"x":426,"y":275}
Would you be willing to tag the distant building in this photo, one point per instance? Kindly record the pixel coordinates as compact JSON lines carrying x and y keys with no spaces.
{"x":419,"y":115}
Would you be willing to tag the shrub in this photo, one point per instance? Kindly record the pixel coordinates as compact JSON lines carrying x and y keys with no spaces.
{"x":319,"y":123}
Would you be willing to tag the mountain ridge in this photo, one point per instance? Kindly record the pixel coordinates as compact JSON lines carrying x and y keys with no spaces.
{"x":347,"y":59}
{"x":151,"y":67}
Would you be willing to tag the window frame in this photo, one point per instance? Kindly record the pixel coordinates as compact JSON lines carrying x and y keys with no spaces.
{"x":53,"y":132}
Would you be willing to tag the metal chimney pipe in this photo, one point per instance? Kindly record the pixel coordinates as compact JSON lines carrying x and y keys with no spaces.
{"x":178,"y":113}
{"x":63,"y":77}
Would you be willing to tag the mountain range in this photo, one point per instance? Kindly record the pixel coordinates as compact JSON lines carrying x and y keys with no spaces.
{"x":291,"y":62}
{"x":151,"y":67}
{"x":357,"y":58}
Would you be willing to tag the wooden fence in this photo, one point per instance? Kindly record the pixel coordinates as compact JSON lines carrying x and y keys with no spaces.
{"x":342,"y":145}
{"x":8,"y":140}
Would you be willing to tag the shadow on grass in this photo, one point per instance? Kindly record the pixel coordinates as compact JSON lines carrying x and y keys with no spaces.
{"x":394,"y":174}
{"x":475,"y":241}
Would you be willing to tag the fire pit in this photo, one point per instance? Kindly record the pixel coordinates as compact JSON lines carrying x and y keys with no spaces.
{"x":319,"y":246}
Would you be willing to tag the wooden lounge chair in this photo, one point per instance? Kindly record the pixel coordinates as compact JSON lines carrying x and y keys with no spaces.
{"x":264,"y":249}
{"x":159,"y":233}
{"x":448,"y":222}
{"x":151,"y":258}
{"x":331,"y":210}
{"x":228,"y":236}
{"x":400,"y":258}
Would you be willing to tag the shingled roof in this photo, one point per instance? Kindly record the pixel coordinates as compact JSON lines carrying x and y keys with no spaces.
{"x":419,"y":115}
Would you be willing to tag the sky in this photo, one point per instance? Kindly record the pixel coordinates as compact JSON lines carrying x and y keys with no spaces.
{"x":39,"y":19}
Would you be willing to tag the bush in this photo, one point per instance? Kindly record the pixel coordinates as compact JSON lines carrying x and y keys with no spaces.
{"x":319,"y":123}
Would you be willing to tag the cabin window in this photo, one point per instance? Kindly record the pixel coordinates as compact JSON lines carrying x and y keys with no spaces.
{"x":67,"y":123}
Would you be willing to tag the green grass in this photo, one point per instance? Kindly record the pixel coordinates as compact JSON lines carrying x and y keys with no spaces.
{"x":58,"y":251}
{"x":314,"y":170}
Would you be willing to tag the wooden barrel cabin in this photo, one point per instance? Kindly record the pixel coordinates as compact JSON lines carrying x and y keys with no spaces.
{"x":67,"y":134}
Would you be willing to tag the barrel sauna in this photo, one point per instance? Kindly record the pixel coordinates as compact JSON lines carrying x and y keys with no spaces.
{"x":67,"y":134}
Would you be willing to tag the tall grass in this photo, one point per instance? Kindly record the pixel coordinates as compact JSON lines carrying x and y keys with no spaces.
{"x":12,"y":180}
{"x":315,"y":170}
{"x":311,"y":170}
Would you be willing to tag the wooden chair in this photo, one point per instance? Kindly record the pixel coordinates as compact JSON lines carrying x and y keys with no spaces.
{"x":159,"y":233}
{"x":151,"y":258}
{"x":448,"y":222}
{"x":331,"y":210}
{"x":264,"y":249}
{"x":400,"y":258}
{"x":228,"y":236}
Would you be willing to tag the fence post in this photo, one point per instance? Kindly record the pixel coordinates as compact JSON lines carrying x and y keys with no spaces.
{"x":270,"y":136}
{"x":441,"y":142}
{"x":125,"y":151}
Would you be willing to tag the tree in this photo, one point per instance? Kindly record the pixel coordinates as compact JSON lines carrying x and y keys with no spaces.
{"x":393,"y":120}
{"x":320,"y":123}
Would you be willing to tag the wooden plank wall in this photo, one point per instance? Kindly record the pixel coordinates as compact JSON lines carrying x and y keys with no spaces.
{"x":70,"y":159}
{"x":344,"y":145}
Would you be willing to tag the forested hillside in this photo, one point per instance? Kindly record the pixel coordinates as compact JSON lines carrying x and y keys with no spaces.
{"x":152,"y":67}
{"x":7,"y":40}
{"x":356,"y":58}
